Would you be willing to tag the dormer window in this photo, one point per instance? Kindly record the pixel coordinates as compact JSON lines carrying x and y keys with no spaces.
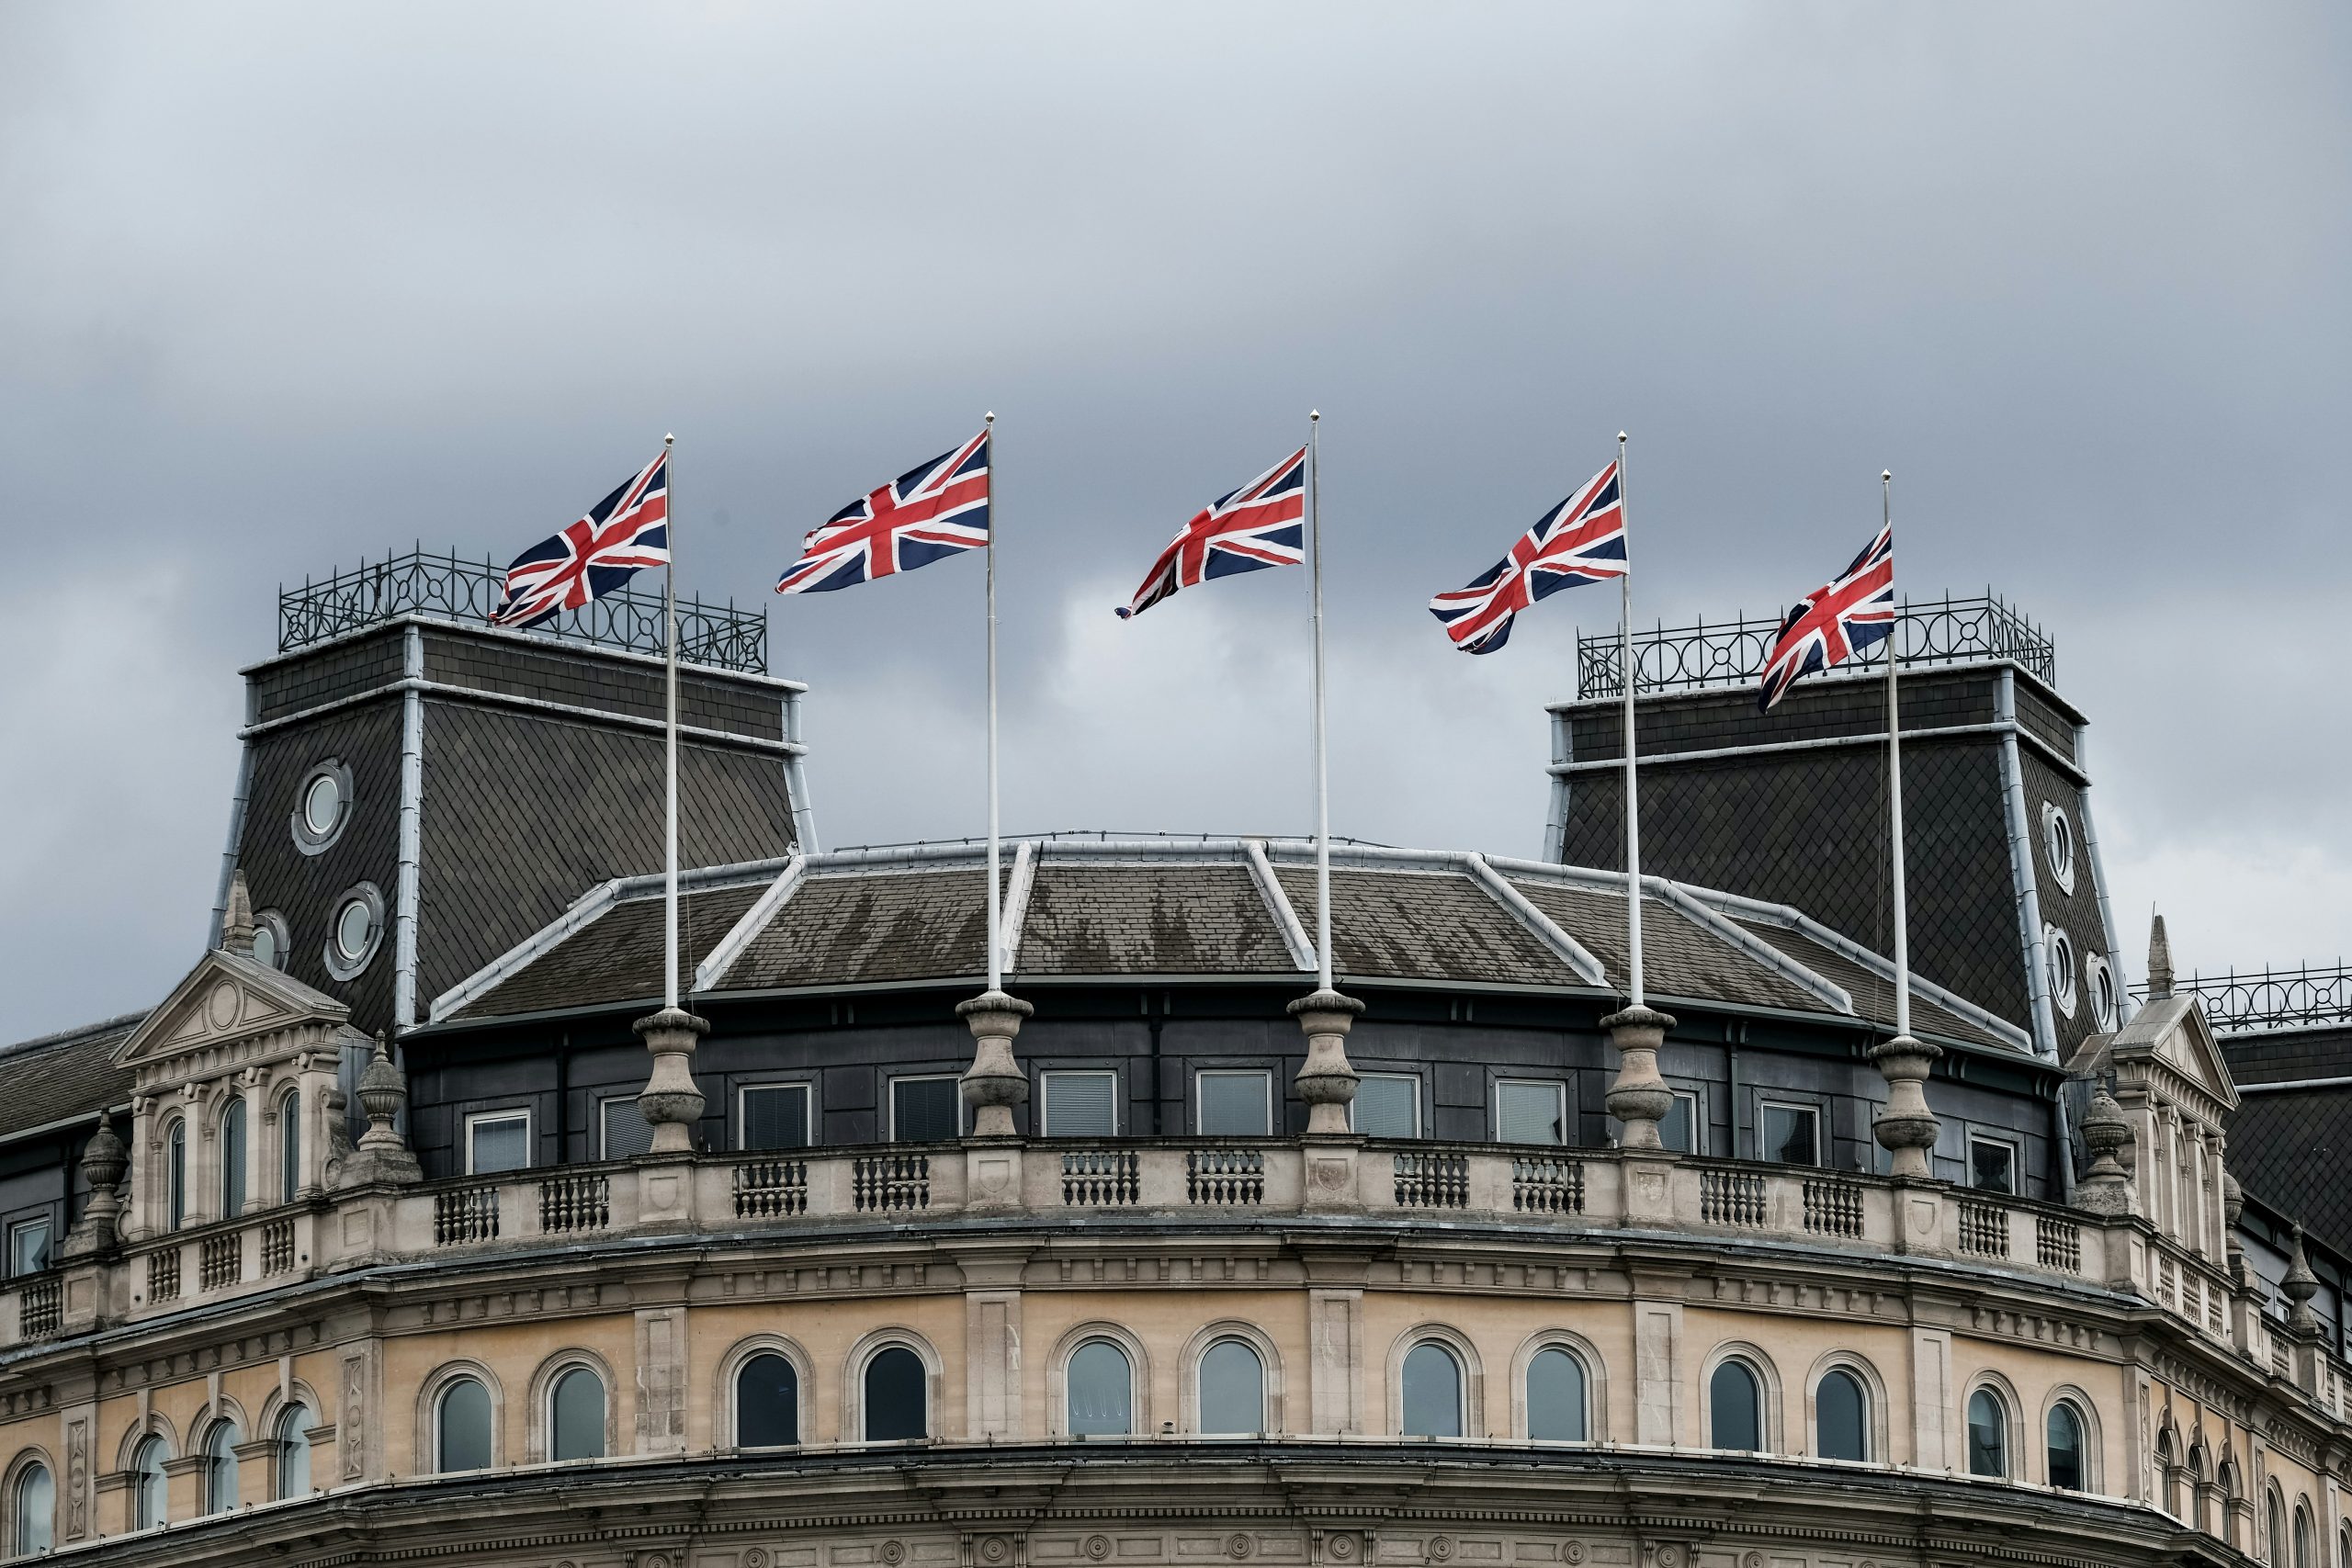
{"x":321,"y":807}
{"x":356,"y":931}
{"x":2064,"y":993}
{"x":271,"y":943}
{"x":2058,"y":842}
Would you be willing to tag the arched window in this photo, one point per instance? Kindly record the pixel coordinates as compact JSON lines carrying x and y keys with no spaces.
{"x":2200,"y":1475}
{"x":1841,"y":1416}
{"x":151,"y":1490}
{"x":294,"y":1452}
{"x":2228,"y":1480}
{"x":232,"y":1157}
{"x":1988,"y":1434}
{"x":2274,"y":1518}
{"x":2065,"y":1434}
{"x":2303,"y":1536}
{"x":290,"y":1145}
{"x":576,"y":1416}
{"x":461,"y":1423}
{"x":1735,"y":1408}
{"x":176,"y":1176}
{"x":1233,"y":1389}
{"x":2343,"y":1546}
{"x":1555,"y":1397}
{"x":221,"y":1467}
{"x":897,"y":1396}
{"x":1099,"y":1387}
{"x":767,"y":1403}
{"x":2168,"y":1475}
{"x":1432,"y":1392}
{"x":34,"y":1509}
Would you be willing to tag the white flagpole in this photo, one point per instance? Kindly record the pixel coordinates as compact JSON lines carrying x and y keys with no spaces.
{"x":1322,"y":765}
{"x":669,"y":619}
{"x":1895,"y":780}
{"x":996,"y":940}
{"x":1633,"y":795}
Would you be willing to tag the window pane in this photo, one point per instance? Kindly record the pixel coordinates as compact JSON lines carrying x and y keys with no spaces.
{"x":464,"y":1426}
{"x":1556,"y":1399}
{"x":1388,"y":1106}
{"x":1791,"y":1134}
{"x":1233,"y":1389}
{"x":1102,"y":1391}
{"x":767,"y":1403}
{"x":923,"y":1111}
{"x":153,"y":1503}
{"x":776,"y":1116}
{"x":220,"y":1468}
{"x":1734,"y":1406}
{"x":1679,"y":1130}
{"x":1235,"y":1105}
{"x":502,"y":1143}
{"x":1992,"y":1166}
{"x":1529,"y":1113}
{"x":1839,"y":1413}
{"x":289,"y":1148}
{"x":29,"y":1246}
{"x":1081,"y":1105}
{"x":294,"y":1452}
{"x":36,"y":1510}
{"x":233,"y":1160}
{"x":1432,"y":1393}
{"x":1988,"y":1437}
{"x":627,"y":1132}
{"x":576,"y":1416}
{"x":895,"y":1396}
{"x":175,"y":1174}
{"x":2065,"y":1448}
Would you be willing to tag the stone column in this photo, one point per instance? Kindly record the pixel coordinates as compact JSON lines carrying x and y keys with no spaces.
{"x":1637,"y":1097}
{"x":1906,"y":1128}
{"x":670,"y":1102}
{"x":995,"y":1083}
{"x":1327,"y":1082}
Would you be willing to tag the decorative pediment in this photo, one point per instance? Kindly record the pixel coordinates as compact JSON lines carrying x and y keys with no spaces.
{"x":2171,"y":1033}
{"x":226,"y":999}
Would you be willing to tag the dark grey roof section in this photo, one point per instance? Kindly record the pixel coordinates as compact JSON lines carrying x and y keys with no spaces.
{"x":64,"y":1078}
{"x":2292,"y":1127}
{"x":870,"y":926}
{"x":616,"y":955}
{"x":1421,"y":925}
{"x":1169,"y":919}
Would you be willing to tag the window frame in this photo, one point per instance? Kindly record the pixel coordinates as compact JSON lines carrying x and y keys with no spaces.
{"x":233,"y":1114}
{"x":929,"y":1374}
{"x":1414,"y":1345}
{"x":1414,"y":1079}
{"x":1068,"y":1360}
{"x":1586,"y":1360}
{"x":1266,"y":1084}
{"x":343,"y":965}
{"x":807,"y":1113}
{"x":283,"y":1444}
{"x":1046,"y":1099}
{"x":1559,"y":1088}
{"x":891,"y":1092}
{"x":1746,"y":1360}
{"x":564,"y":1370}
{"x":175,"y":1174}
{"x":474,"y":1120}
{"x":1809,"y":1109}
{"x":289,"y":1107}
{"x":1265,"y":1400}
{"x":151,"y":1506}
{"x":605,"y":1103}
{"x":1698,"y":1104}
{"x":1867,"y":1393}
{"x":2061,"y":844}
{"x":32,"y":1462}
{"x":2004,"y":1408}
{"x":2058,"y":955}
{"x":2017,"y":1163}
{"x":47,"y":1223}
{"x":438,"y":1393}
{"x":213,"y":1502}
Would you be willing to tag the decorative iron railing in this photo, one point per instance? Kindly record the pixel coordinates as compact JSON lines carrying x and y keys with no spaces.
{"x":1731,"y":653}
{"x":423,"y":583}
{"x":2269,"y":999}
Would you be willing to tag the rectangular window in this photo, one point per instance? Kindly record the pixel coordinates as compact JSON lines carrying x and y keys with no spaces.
{"x":1388,"y":1105}
{"x":496,"y":1141}
{"x":774,"y":1116}
{"x":28,"y":1246}
{"x":1679,"y":1130}
{"x":1791,"y":1133}
{"x":1235,"y":1105}
{"x":925,"y":1111}
{"x":1531,"y":1112}
{"x":625,"y":1132}
{"x":1992,"y":1164}
{"x":1081,"y":1105}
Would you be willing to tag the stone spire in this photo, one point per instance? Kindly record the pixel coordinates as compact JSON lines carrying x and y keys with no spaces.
{"x":237,"y":919}
{"x":2159,"y":961}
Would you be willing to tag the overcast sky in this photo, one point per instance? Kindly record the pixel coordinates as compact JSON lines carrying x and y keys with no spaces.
{"x":284,"y":286}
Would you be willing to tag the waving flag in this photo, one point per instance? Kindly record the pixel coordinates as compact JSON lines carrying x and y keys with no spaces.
{"x":932,"y":511}
{"x":1833,"y":623}
{"x":1581,"y":540}
{"x":622,"y":534}
{"x":1249,"y":529}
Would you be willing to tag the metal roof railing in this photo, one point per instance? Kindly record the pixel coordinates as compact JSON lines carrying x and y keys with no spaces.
{"x":423,"y":583}
{"x":1731,"y":653}
{"x":2269,"y":999}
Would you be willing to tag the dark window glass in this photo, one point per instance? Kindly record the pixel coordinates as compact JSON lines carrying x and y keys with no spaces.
{"x":1792,"y":1134}
{"x":1102,"y":1391}
{"x":1235,"y":1105}
{"x":464,"y":1426}
{"x":289,"y":1148}
{"x":1840,"y":1413}
{"x":1388,"y":1105}
{"x":1432,"y":1393}
{"x":152,"y":1499}
{"x":176,"y":1176}
{"x":2275,"y":1512}
{"x":2065,"y":1448}
{"x":767,"y":1403}
{"x":1679,"y":1129}
{"x":294,"y":1452}
{"x":1233,"y":1389}
{"x":776,"y":1116}
{"x":1992,"y":1166}
{"x":501,"y":1143}
{"x":1081,"y":1105}
{"x":29,"y":1246}
{"x":1988,"y":1434}
{"x":1529,"y":1113}
{"x":221,"y":1467}
{"x":1735,"y":1408}
{"x":576,"y":1416}
{"x":896,"y":1397}
{"x":923,"y":1111}
{"x":233,"y":1160}
{"x":627,"y":1132}
{"x":1555,"y":1398}
{"x":36,"y":1510}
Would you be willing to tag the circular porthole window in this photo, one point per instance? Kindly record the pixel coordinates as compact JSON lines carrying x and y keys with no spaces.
{"x":321,"y":807}
{"x":2063,"y":987}
{"x":270,"y":941}
{"x":356,"y":931}
{"x":2058,"y":839}
{"x":2100,"y":973}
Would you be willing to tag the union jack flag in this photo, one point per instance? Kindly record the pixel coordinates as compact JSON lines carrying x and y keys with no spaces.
{"x":1833,"y":623}
{"x":1249,"y":529}
{"x":622,"y":534}
{"x":932,"y":511}
{"x":1581,"y":540}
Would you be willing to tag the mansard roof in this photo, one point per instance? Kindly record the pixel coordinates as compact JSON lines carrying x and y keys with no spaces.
{"x":62,"y":1077}
{"x":1093,"y":909}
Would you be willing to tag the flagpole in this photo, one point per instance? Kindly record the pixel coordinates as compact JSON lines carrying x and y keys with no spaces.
{"x":996,"y":940}
{"x":1633,"y":795}
{"x":1895,"y":778}
{"x":669,"y":624}
{"x":1322,"y":765}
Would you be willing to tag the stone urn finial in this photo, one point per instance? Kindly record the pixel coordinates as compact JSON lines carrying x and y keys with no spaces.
{"x":1637,"y":1095}
{"x":383,"y":1155}
{"x":2106,"y":1188}
{"x":1326,"y":1080}
{"x":1906,"y":1128}
{"x":104,"y":1161}
{"x":671,"y":1102}
{"x":2299,"y":1286}
{"x":994,"y":1083}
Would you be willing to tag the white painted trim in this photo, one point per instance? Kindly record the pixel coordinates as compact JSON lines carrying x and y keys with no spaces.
{"x":411,"y":835}
{"x":1262,"y":870}
{"x":1565,"y":947}
{"x":2024,"y":885}
{"x":530,"y":1134}
{"x":1016,"y":903}
{"x":721,"y":958}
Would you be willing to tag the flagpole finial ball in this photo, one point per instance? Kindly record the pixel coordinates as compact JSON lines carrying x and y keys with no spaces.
{"x":668,"y":439}
{"x":1886,"y":476}
{"x":989,"y":418}
{"x":1314,"y":415}
{"x":1620,"y":438}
